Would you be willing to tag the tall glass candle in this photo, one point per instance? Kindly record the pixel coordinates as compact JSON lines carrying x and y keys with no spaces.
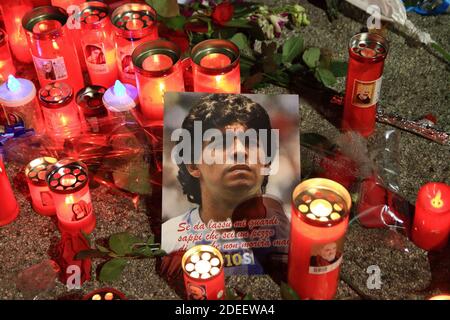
{"x":120,"y":100}
{"x":13,"y":12}
{"x":9,"y":207}
{"x":134,"y":23}
{"x":97,"y":41}
{"x":61,"y":114}
{"x":53,"y":51}
{"x":216,"y":67}
{"x":367,"y":54}
{"x":6,"y":62}
{"x":18,"y":99}
{"x":431,"y":224}
{"x":68,"y":182}
{"x":95,"y":115}
{"x":158,"y":69}
{"x":204,"y":277}
{"x":41,"y":198}
{"x":320,"y":213}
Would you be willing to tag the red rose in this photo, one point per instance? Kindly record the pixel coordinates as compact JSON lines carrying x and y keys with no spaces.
{"x":222,"y":13}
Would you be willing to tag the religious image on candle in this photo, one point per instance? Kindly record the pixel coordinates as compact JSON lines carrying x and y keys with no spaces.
{"x":229,"y":164}
{"x":326,"y":257}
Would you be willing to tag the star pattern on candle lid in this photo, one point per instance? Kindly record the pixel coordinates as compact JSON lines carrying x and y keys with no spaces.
{"x":36,"y":170}
{"x":202,"y":262}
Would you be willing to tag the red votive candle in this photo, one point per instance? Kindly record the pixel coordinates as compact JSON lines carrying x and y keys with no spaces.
{"x":6,"y":62}
{"x":134,"y":23}
{"x":97,"y":41}
{"x":13,"y":12}
{"x":440,"y":297}
{"x":320,"y":213}
{"x":158,"y":70}
{"x":9,"y":207}
{"x":41,"y":198}
{"x":431,"y":224}
{"x":204,"y":277}
{"x":53,"y":52}
{"x":367,"y":53}
{"x":68,"y":182}
{"x":61,"y":114}
{"x":90,"y":104}
{"x":216,"y":67}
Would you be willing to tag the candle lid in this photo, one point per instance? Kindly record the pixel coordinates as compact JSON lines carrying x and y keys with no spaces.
{"x":202,"y":262}
{"x":67,"y":176}
{"x":93,"y":14}
{"x":368,"y":46}
{"x":55,"y":95}
{"x":90,"y":100}
{"x":17,"y":92}
{"x":211,"y":46}
{"x":105,"y":294}
{"x":55,"y":16}
{"x":150,"y":48}
{"x":134,"y":20}
{"x":36,"y":170}
{"x":120,"y":97}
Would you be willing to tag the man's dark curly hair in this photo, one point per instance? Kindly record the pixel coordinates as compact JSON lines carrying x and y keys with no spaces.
{"x":218,"y":111}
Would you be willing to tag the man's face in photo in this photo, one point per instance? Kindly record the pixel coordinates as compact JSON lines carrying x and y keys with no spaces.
{"x":329,"y":251}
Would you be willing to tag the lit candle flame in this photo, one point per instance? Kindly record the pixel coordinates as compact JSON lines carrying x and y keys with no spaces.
{"x":437,"y":202}
{"x":13,"y":84}
{"x":119,"y":89}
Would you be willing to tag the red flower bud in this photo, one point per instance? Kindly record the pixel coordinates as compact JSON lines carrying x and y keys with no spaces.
{"x":222,"y":13}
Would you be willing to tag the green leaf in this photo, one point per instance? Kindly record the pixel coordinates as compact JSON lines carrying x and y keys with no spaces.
{"x":231,"y":295}
{"x":165,"y":8}
{"x":87,"y":237}
{"x":112,"y":269}
{"x":102,"y":249}
{"x":291,"y":49}
{"x":151,"y":239}
{"x":311,"y":57}
{"x":122,"y":243}
{"x":88,"y":254}
{"x":241,"y":41}
{"x":238,"y":23}
{"x":339,"y":68}
{"x":325,"y":76}
{"x":175,"y":23}
{"x":287,"y":293}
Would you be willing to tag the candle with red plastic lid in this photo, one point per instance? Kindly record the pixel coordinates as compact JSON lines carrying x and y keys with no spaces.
{"x":367,"y":53}
{"x":68,"y":181}
{"x":134,"y":23}
{"x":320,"y":213}
{"x":431,"y":224}
{"x":41,"y":198}
{"x":95,"y":115}
{"x":9,"y":207}
{"x":53,"y":51}
{"x":158,"y":70}
{"x":6,"y":62}
{"x":216,"y":67}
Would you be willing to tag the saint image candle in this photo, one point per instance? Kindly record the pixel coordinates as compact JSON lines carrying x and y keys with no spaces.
{"x":134,"y":23}
{"x":41,"y":198}
{"x":18,"y":99}
{"x":120,"y":100}
{"x":367,"y":53}
{"x":95,"y":115}
{"x":158,"y":70}
{"x":431,"y":224}
{"x":9,"y":207}
{"x":97,"y":41}
{"x":13,"y":12}
{"x":61,"y":115}
{"x":204,"y":276}
{"x":216,"y":67}
{"x":68,"y":180}
{"x":53,"y":52}
{"x":320,"y":213}
{"x":6,"y":62}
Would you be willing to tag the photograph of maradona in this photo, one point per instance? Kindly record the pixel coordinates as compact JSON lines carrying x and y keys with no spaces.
{"x":230,"y":162}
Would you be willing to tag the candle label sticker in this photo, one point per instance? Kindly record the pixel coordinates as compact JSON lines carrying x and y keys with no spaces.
{"x":46,"y":199}
{"x":366,"y":93}
{"x":51,"y":69}
{"x":14,"y":118}
{"x":95,"y":58}
{"x":326,"y":257}
{"x":126,"y":65}
{"x":82,"y":208}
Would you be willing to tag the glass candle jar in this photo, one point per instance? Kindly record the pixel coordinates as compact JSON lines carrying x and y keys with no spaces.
{"x":158,"y":69}
{"x":6,"y":62}
{"x":61,"y":115}
{"x":53,"y":52}
{"x":203,"y":271}
{"x":68,"y":180}
{"x":97,"y":41}
{"x":365,"y":69}
{"x":134,"y":24}
{"x":13,"y":12}
{"x":90,"y":103}
{"x":20,"y":106}
{"x":320,"y":213}
{"x":10,"y":208}
{"x":41,"y":198}
{"x":216,"y":67}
